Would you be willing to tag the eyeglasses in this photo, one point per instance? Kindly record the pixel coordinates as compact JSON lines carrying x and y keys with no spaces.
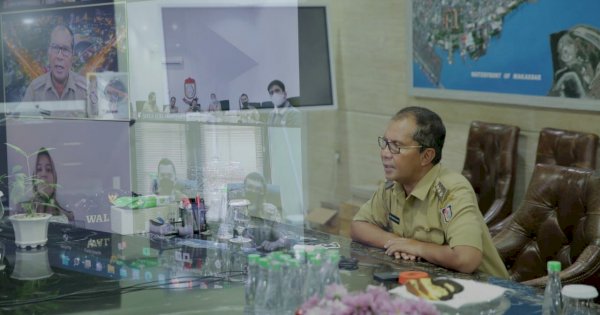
{"x":57,"y":49}
{"x":394,"y":147}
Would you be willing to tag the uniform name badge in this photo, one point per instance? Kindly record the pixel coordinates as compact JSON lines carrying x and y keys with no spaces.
{"x":447,"y":213}
{"x":394,"y":218}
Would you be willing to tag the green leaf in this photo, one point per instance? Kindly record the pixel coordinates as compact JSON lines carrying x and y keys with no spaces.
{"x":16,"y":148}
{"x":17,"y":168}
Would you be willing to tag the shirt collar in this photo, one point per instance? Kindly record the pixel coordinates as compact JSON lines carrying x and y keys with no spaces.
{"x":69,"y":86}
{"x":425,"y":184}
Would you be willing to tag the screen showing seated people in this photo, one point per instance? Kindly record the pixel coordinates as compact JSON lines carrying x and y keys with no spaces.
{"x":222,"y":58}
{"x":66,"y":61}
{"x":68,"y":168}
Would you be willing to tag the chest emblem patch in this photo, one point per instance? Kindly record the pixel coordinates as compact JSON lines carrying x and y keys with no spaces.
{"x":447,"y":213}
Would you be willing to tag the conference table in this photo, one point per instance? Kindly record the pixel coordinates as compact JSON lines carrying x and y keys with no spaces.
{"x":83,"y":271}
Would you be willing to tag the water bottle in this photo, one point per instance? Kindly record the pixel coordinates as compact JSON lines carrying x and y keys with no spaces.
{"x":552,"y":297}
{"x":313,"y":284}
{"x":274,"y":298}
{"x":331,"y":269}
{"x":251,"y":279}
{"x":260,"y":297}
{"x":293,"y":287}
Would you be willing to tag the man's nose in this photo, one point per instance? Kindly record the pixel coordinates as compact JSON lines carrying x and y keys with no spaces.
{"x":385,"y":153}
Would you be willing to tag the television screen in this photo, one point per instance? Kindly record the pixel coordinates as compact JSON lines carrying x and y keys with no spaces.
{"x":48,"y":55}
{"x":238,"y":50}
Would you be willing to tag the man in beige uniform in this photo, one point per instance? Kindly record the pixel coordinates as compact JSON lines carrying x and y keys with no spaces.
{"x":425,"y":210}
{"x":59,"y":83}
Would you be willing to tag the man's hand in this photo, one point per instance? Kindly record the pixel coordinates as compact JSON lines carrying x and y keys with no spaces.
{"x":400,"y":248}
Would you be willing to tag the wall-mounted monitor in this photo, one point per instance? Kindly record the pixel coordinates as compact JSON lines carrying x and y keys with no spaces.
{"x":229,"y":50}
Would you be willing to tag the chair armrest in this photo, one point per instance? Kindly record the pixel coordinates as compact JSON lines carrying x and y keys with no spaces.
{"x":586,"y":265}
{"x":509,"y":242}
{"x":496,"y":228}
{"x":495,"y":213}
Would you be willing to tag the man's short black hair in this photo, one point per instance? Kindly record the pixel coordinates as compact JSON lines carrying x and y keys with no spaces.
{"x":430,"y":133}
{"x":255,"y":177}
{"x":278,"y":83}
{"x":166,"y":161}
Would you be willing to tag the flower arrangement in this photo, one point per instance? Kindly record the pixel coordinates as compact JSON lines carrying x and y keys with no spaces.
{"x":374,"y":300}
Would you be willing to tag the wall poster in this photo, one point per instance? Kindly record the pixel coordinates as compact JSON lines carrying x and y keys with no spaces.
{"x":529,"y":52}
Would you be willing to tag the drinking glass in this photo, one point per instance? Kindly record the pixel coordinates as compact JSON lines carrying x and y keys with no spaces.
{"x":241,"y":217}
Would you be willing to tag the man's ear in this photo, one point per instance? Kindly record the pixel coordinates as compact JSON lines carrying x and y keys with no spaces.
{"x":427,"y":156}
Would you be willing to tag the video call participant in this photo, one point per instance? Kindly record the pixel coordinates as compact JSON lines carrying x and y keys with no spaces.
{"x":425,"y":210}
{"x":266,"y":233}
{"x":150,"y":105}
{"x":249,"y":112}
{"x":172,"y":106}
{"x":60,"y":82}
{"x":255,"y":190}
{"x":283,"y":114}
{"x":194,"y":106}
{"x":44,"y":190}
{"x":165,"y":183}
{"x":214,"y":105}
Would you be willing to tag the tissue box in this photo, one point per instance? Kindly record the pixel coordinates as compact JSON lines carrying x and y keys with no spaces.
{"x":135,"y":221}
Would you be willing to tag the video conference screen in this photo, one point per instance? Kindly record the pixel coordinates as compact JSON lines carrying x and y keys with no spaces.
{"x":82,"y":160}
{"x":65,"y":59}
{"x":230,"y":51}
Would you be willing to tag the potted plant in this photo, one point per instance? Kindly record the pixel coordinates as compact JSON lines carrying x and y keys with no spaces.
{"x":30,"y":225}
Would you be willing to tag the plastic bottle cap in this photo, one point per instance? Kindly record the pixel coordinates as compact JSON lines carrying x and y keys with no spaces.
{"x":275,"y":265}
{"x":253,"y":258}
{"x":579,"y":291}
{"x":554,"y":265}
{"x":410,"y":275}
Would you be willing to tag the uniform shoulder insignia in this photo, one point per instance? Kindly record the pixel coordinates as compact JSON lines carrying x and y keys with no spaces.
{"x":440,"y":190}
{"x":389,"y":184}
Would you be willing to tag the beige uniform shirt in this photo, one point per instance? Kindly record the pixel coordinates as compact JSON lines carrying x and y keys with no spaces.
{"x":442,"y":209}
{"x":41,"y":89}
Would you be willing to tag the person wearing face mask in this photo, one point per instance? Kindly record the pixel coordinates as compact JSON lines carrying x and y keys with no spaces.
{"x":283,"y":114}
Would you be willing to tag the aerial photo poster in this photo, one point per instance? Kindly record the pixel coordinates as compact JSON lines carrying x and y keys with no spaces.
{"x":537,"y":52}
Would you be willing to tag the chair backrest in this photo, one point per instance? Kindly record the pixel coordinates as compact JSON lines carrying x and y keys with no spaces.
{"x":558,"y":220}
{"x":490,"y":166}
{"x":567,"y":148}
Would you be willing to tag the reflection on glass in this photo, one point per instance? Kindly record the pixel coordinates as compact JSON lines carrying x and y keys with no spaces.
{"x":2,"y":253}
{"x":32,"y":264}
{"x":241,"y":217}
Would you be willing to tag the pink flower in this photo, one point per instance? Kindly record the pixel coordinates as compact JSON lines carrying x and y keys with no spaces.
{"x":374,"y":300}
